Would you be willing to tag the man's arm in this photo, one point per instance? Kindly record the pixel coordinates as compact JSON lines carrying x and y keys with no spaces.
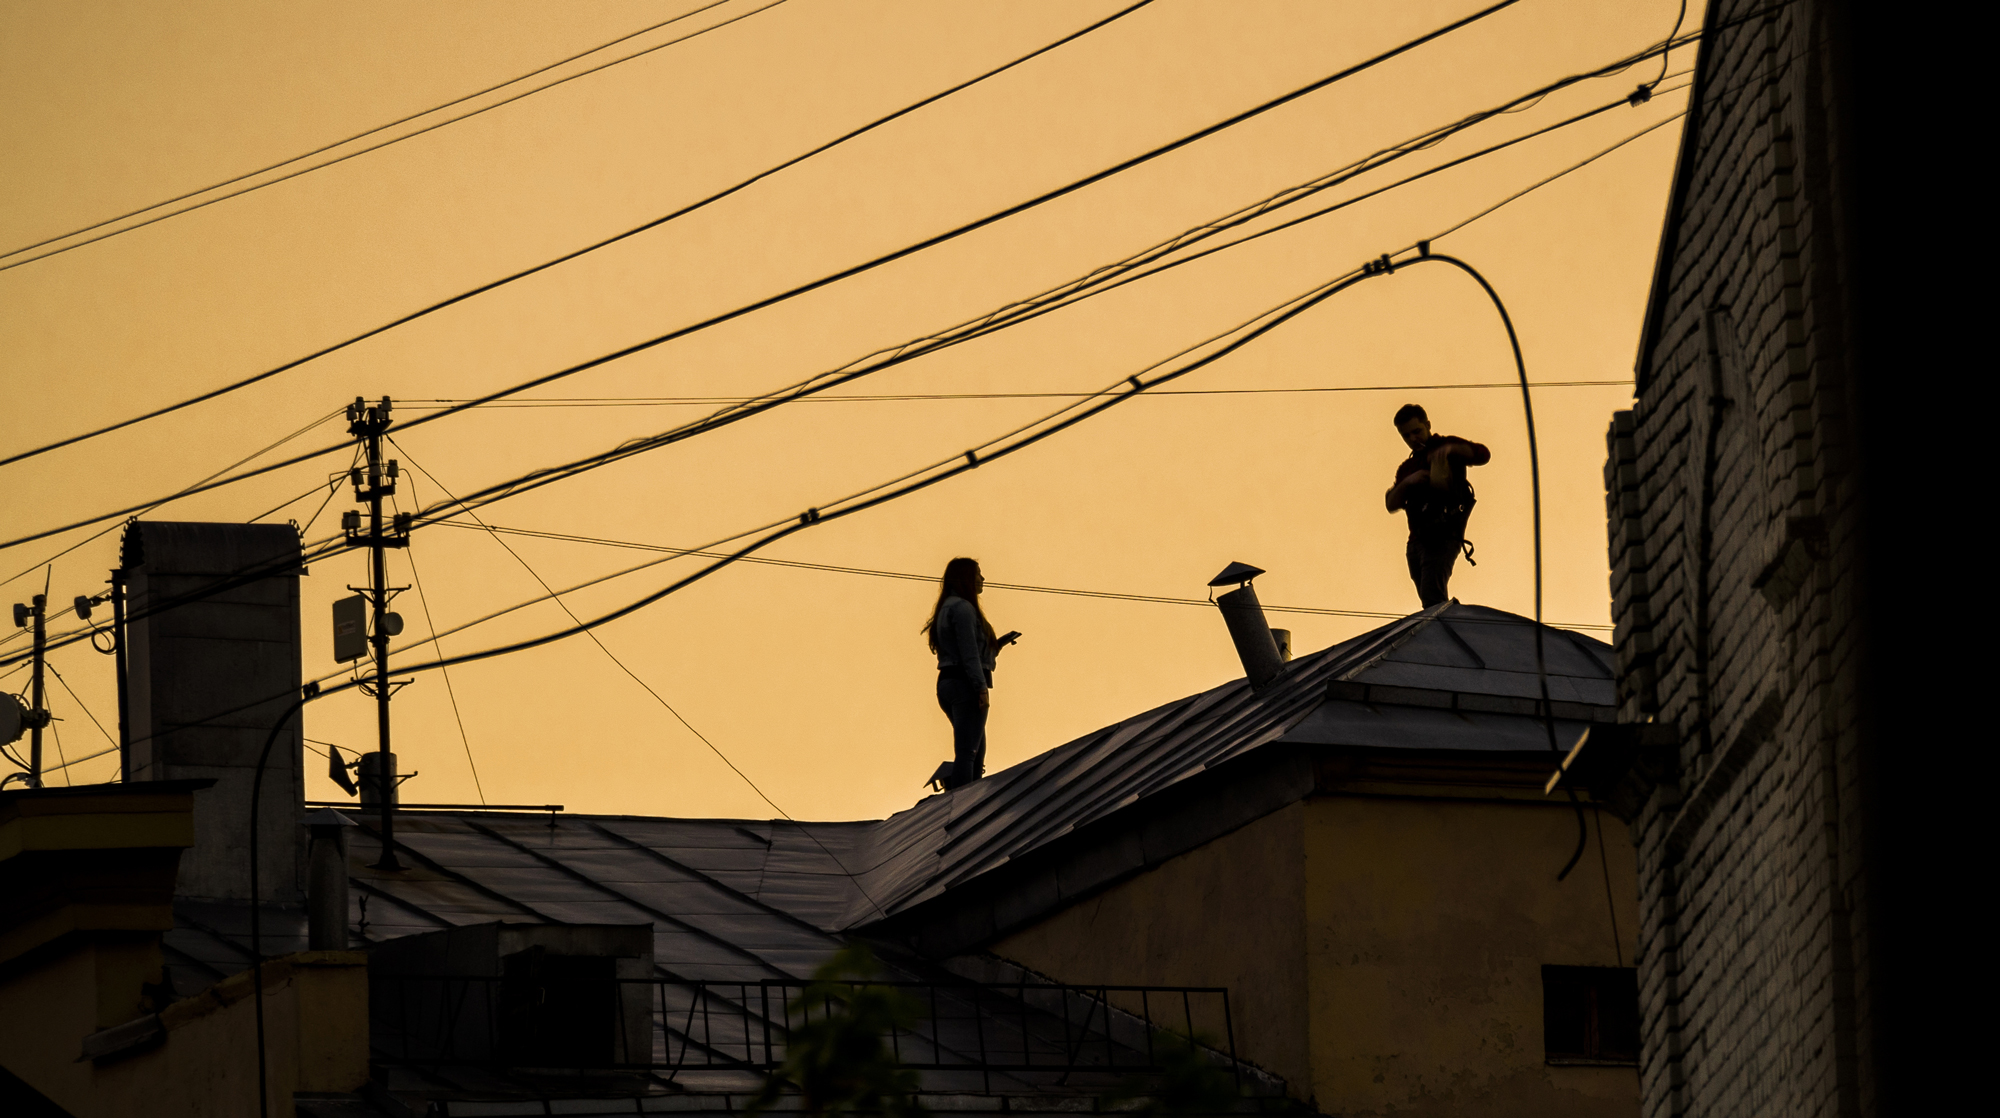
{"x":1471,"y":453}
{"x":1393,"y":500}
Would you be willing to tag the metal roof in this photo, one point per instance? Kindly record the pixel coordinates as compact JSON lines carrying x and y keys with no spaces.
{"x":747,"y":899}
{"x":737,"y":899}
{"x":1453,"y":677}
{"x":743,"y":900}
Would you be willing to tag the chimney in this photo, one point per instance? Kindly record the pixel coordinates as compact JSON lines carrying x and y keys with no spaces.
{"x":1255,"y":645}
{"x":226,"y":637}
{"x":326,"y":880}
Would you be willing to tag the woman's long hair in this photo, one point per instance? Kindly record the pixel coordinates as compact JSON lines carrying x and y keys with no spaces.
{"x":957,"y":583}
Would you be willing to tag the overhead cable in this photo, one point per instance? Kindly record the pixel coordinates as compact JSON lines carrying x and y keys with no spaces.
{"x":324,"y":148}
{"x":978,"y":326}
{"x":780,"y":297}
{"x":592,"y":247}
{"x":424,"y":601}
{"x":674,"y":401}
{"x":908,"y":483}
{"x":881,"y":260}
{"x":1097,"y":282}
{"x":99,"y":535}
{"x":647,"y":687}
{"x":333,"y":545}
{"x":830,"y":568}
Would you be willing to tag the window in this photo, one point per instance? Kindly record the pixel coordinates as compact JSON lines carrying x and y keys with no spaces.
{"x":1590,"y":1015}
{"x":558,"y":1010}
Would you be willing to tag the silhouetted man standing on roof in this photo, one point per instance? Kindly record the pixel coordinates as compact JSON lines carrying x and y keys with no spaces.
{"x":1432,"y":491}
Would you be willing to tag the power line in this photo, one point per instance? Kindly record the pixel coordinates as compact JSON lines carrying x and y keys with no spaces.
{"x":799,"y":392}
{"x":893,"y":490}
{"x":334,"y":546}
{"x":80,"y":703}
{"x":657,"y":697}
{"x":99,"y":535}
{"x":70,"y":638}
{"x":55,"y":731}
{"x":1065,"y":295}
{"x":1112,"y":595}
{"x":373,"y":147}
{"x":594,"y":246}
{"x":1011,"y":443}
{"x":677,"y":401}
{"x":196,"y":487}
{"x":984,"y":324}
{"x":450,"y":692}
{"x":801,"y":289}
{"x":853,"y":503}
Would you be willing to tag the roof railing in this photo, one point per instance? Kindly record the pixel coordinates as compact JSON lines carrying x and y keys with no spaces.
{"x":581,"y":1023}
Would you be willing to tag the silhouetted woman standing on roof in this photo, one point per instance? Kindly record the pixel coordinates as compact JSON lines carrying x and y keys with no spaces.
{"x":966,"y":650}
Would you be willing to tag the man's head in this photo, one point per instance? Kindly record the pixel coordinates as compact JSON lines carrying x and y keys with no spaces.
{"x":1413,"y":425}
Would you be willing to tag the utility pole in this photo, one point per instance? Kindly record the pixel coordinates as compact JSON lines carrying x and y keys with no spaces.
{"x":124,"y":687}
{"x":372,"y":484}
{"x":86,"y":603}
{"x":37,"y":714}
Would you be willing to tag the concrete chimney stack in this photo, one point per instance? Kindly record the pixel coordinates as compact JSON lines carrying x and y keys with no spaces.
{"x":210,"y":674}
{"x":326,"y":880}
{"x":1248,"y":629}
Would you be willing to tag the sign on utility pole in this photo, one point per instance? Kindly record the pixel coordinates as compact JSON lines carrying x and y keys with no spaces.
{"x":373,"y":484}
{"x":350,"y":628}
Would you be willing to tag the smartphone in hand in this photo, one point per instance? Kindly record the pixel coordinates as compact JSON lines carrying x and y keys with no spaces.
{"x":1010,"y":638}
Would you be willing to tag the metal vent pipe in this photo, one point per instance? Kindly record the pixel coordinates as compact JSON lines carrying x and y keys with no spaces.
{"x":1248,"y":629}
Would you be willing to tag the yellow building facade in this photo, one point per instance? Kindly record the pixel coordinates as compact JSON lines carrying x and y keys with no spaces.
{"x":1383,"y":948}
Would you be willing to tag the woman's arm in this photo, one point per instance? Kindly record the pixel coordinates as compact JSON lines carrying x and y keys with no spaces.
{"x":968,"y":644}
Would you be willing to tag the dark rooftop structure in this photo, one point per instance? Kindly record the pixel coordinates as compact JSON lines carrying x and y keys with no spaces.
{"x":742,"y":911}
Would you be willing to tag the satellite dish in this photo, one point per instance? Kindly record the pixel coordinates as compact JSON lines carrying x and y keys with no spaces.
{"x":13,"y":718}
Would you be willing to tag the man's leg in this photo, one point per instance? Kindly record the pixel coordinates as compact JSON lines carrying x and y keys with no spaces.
{"x":1434,"y":570}
{"x":1413,"y":552}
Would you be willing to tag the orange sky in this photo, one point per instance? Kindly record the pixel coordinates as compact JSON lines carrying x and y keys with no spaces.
{"x":817,"y":685}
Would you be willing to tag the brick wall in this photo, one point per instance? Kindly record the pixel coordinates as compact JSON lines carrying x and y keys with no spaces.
{"x":1733,"y":514}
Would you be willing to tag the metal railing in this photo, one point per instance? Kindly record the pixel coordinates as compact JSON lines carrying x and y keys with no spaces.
{"x":667,"y":1025}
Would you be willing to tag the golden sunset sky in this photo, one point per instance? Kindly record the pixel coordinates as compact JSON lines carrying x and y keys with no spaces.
{"x":816,"y":684}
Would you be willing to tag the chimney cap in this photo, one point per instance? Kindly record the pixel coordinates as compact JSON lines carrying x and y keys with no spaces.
{"x":328,"y":817}
{"x":1236,"y":572}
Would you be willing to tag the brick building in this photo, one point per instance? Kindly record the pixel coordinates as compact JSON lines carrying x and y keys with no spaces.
{"x":1755,"y":582}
